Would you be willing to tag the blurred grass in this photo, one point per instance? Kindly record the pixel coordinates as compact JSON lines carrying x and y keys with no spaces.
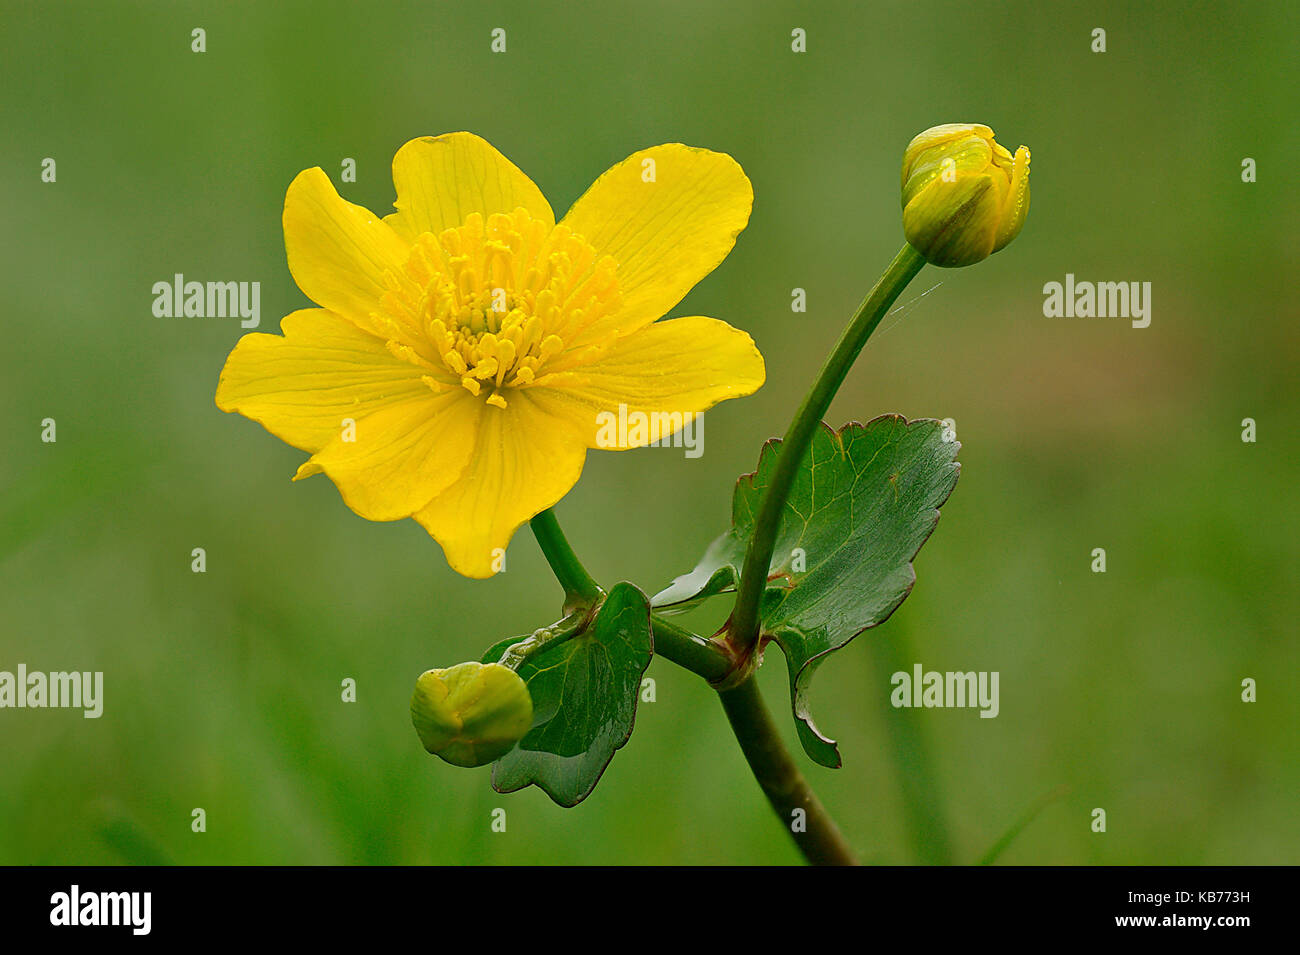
{"x":222,"y":689}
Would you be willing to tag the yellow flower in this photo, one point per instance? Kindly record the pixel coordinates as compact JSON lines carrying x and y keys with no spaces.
{"x":467,"y":347}
{"x":964,"y":195}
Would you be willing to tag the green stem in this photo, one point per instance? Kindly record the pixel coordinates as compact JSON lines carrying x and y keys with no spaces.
{"x":815,"y":833}
{"x":817,"y":836}
{"x":544,"y":639}
{"x":703,"y":657}
{"x":758,"y":559}
{"x":689,"y":650}
{"x":579,"y":586}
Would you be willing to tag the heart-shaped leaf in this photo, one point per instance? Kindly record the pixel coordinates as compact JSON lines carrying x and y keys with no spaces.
{"x":584,"y":690}
{"x":864,"y":501}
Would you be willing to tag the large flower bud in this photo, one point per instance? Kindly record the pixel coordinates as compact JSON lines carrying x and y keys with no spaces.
{"x":964,"y":195}
{"x":471,"y":714}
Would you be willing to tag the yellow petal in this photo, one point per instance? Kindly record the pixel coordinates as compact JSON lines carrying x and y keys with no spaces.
{"x":524,"y":462}
{"x":393,"y":462}
{"x":339,"y":252}
{"x":301,"y":386}
{"x":954,"y":223}
{"x":665,"y":234}
{"x":676,"y":368}
{"x":939,"y":136}
{"x":440,"y":180}
{"x":1016,"y":204}
{"x":969,"y":156}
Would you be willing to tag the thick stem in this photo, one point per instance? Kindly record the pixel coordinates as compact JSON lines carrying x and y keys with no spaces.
{"x":813,"y":831}
{"x":579,"y":587}
{"x":691,"y":651}
{"x":758,"y":559}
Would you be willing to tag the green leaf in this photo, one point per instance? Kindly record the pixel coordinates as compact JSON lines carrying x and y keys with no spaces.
{"x":865,"y":500}
{"x":584,"y":689}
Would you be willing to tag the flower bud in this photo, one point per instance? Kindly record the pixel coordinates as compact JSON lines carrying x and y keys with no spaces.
{"x":471,"y":714}
{"x":964,"y":195}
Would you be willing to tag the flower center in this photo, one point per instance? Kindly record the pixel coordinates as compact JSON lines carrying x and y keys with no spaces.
{"x":488,"y":305}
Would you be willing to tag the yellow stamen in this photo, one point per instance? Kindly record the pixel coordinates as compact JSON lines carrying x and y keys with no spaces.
{"x":494,"y":301}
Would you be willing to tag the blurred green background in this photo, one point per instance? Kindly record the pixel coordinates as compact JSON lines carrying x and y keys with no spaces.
{"x":222,"y":689}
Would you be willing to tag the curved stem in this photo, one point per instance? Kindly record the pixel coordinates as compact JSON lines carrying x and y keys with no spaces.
{"x":758,"y":559}
{"x":815,"y":833}
{"x":579,"y":586}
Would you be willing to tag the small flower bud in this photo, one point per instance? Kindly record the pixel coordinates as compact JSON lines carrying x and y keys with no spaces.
{"x":964,"y":195}
{"x":471,"y":714}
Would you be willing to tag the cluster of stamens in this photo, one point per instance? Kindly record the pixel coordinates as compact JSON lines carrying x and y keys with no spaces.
{"x":489,"y":305}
